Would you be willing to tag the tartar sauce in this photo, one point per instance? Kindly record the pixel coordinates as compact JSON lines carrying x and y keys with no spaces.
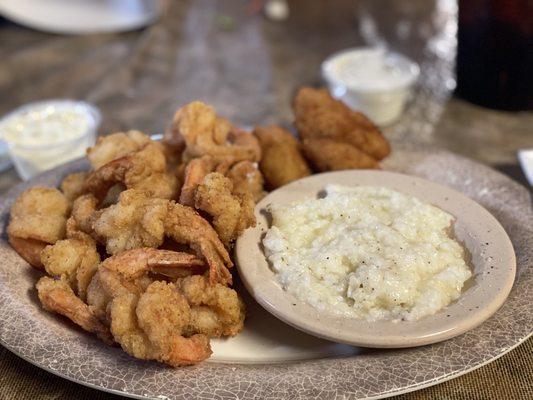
{"x":368,"y":69}
{"x":45,"y":134}
{"x":45,"y":124}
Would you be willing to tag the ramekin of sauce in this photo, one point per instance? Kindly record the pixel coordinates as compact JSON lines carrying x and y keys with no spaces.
{"x":371,"y":80}
{"x":45,"y":134}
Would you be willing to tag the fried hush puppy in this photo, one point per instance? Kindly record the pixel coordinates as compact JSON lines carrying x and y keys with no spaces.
{"x":320,"y":116}
{"x":282,"y":160}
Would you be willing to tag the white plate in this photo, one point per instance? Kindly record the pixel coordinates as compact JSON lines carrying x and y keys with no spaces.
{"x":262,"y":357}
{"x":82,"y":16}
{"x":487,"y":243}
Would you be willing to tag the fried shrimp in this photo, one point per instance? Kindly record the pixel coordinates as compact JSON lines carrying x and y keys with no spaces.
{"x":205,"y":133}
{"x":151,"y":326}
{"x":82,"y":216}
{"x":232,"y":213}
{"x":216,"y":310}
{"x":135,"y":221}
{"x":116,"y":145}
{"x":282,"y":160}
{"x":320,"y":116}
{"x":247,"y":178}
{"x":38,"y":218}
{"x":186,"y":226}
{"x":139,"y":221}
{"x":132,"y":170}
{"x":195,"y":172}
{"x":57,"y":296}
{"x":72,"y":260}
{"x":72,"y":185}
{"x":130,"y":273}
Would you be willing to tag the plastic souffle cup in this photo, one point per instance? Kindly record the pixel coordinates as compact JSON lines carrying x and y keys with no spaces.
{"x":45,"y":134}
{"x":372,"y":81}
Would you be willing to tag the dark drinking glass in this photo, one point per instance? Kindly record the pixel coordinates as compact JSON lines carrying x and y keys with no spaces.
{"x":495,"y":53}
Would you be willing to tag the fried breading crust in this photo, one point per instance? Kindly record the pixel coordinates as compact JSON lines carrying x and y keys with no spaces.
{"x":320,"y":116}
{"x":282,"y":160}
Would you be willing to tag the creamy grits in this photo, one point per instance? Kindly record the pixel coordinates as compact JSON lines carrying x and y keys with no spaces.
{"x":367,"y":252}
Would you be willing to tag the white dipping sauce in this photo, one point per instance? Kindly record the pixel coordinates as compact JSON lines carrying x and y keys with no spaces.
{"x":371,"y":81}
{"x":368,"y":70}
{"x":45,"y":134}
{"x":45,"y":124}
{"x":367,"y":252}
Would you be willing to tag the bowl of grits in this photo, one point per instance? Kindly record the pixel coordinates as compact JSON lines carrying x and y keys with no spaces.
{"x":376,"y":259}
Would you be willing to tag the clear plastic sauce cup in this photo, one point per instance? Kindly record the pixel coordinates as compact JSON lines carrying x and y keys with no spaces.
{"x":45,"y":134}
{"x":372,"y":81}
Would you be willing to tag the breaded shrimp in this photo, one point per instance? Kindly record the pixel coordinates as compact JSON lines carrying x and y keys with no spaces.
{"x":57,"y":296}
{"x":72,"y":260}
{"x":205,"y":133}
{"x":38,"y":218}
{"x":72,"y":185}
{"x":164,"y":314}
{"x":232,"y":213}
{"x":186,"y":226}
{"x":135,"y":221}
{"x":131,"y":170}
{"x":247,"y":178}
{"x":150,"y":326}
{"x":116,"y":145}
{"x":129,"y":273}
{"x":216,"y":310}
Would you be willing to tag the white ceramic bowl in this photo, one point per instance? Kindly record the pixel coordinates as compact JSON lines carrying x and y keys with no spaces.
{"x":381,"y":98}
{"x":491,"y":251}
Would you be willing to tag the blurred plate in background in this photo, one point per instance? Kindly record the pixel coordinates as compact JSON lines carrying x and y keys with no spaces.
{"x":82,"y":16}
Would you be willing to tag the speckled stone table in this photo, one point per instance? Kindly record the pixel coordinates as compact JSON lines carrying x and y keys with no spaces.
{"x":249,"y":68}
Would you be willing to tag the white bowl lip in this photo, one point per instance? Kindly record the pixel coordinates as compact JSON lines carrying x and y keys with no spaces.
{"x":381,"y":334}
{"x":92,"y":112}
{"x":412,"y":67}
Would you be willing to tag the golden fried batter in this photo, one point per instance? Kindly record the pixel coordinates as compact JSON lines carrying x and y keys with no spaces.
{"x":282,"y":160}
{"x":329,"y":155}
{"x":38,"y":218}
{"x":82,"y":217}
{"x":135,"y":221}
{"x":72,"y":260}
{"x":116,"y":145}
{"x":232,"y":213}
{"x":72,"y":185}
{"x":205,"y":133}
{"x":57,"y":296}
{"x":150,"y":327}
{"x":320,"y":116}
{"x":186,"y":226}
{"x":216,"y":310}
{"x":134,"y":170}
{"x":247,"y":178}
